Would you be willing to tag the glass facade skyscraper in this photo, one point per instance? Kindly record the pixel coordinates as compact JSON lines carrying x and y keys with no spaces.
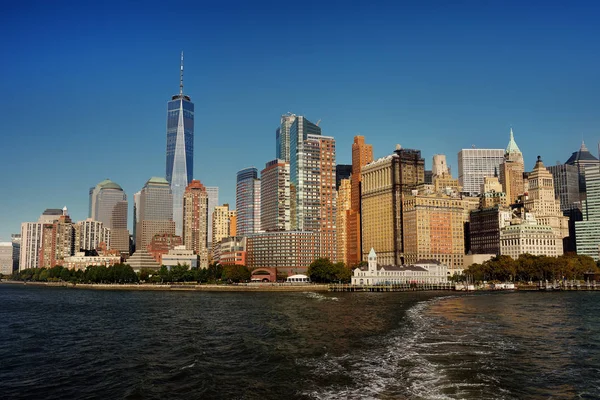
{"x":180,"y":149}
{"x":247,"y":201}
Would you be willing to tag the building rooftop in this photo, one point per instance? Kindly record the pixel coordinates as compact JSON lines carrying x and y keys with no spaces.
{"x":108,"y":184}
{"x":512,"y":145}
{"x":583,"y":154}
{"x":158,"y":179}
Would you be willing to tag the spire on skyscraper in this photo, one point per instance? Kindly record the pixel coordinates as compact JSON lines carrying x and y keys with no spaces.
{"x":181,"y":76}
{"x":512,"y":145}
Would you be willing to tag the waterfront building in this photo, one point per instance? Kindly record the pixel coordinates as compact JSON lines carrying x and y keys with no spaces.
{"x":541,"y":202}
{"x":282,"y":137}
{"x":384,"y":182}
{"x":343,"y":206}
{"x":221,"y":226}
{"x":156,"y":211}
{"x":180,"y":149}
{"x":31,"y":242}
{"x":290,"y":252}
{"x":476,"y":164}
{"x":213,"y":201}
{"x":232,"y":251}
{"x":433,"y":228}
{"x":582,"y":159}
{"x":179,"y":255}
{"x":141,"y":259}
{"x":89,"y":234}
{"x":247,"y":201}
{"x":512,"y":170}
{"x":81,"y":261}
{"x":9,"y":257}
{"x":275,"y":196}
{"x":161,"y":244}
{"x":525,"y":236}
{"x":108,"y":204}
{"x":485,"y":225}
{"x":58,"y":241}
{"x":566,"y":185}
{"x":342,"y":171}
{"x":362,"y":154}
{"x":195,"y":221}
{"x":587,"y":231}
{"x":422,"y":271}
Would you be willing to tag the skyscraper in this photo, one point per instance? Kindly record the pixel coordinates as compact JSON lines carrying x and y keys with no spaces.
{"x":108,"y":204}
{"x":213,"y":201}
{"x":282,"y":137}
{"x":474,"y":165}
{"x":221,"y":223}
{"x":156,"y":212}
{"x":587,"y":231}
{"x":566,"y":185}
{"x":275,"y":196}
{"x":511,"y":171}
{"x":582,"y":159}
{"x":247,"y":200}
{"x":362,"y":154}
{"x":195,"y":221}
{"x":343,"y":206}
{"x":180,"y":148}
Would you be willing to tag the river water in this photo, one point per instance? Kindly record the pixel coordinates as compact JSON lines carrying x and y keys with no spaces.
{"x":58,"y":343}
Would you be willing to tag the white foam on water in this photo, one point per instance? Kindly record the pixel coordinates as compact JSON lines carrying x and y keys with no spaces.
{"x":319,"y":296}
{"x":192,"y":365}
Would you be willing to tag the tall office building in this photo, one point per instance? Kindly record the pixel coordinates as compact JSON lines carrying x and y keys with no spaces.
{"x":156,"y":212}
{"x":343,"y":206}
{"x":89,"y":235}
{"x":282,"y":137}
{"x":275,"y":196}
{"x":195,"y":221}
{"x":180,"y":148}
{"x":474,"y":165}
{"x":566,"y":185}
{"x":213,"y":201}
{"x":220,"y":226}
{"x":247,"y":200}
{"x":587,"y":232}
{"x":542,"y":203}
{"x":582,"y":159}
{"x":511,"y":171}
{"x":108,"y":204}
{"x":362,"y":154}
{"x":9,"y":257}
{"x":384,"y":183}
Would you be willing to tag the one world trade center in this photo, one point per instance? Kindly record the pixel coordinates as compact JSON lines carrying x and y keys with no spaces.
{"x":180,"y":148}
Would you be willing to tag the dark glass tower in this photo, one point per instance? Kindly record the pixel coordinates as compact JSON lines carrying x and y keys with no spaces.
{"x":180,"y":148}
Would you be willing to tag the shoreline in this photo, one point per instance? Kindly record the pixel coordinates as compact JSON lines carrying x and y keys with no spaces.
{"x":261,"y":287}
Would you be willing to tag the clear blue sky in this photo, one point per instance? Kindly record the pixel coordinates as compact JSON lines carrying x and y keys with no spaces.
{"x":85,"y":88}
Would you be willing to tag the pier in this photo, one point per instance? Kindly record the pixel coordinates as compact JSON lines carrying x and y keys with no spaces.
{"x":568,"y":285}
{"x":400,"y":287}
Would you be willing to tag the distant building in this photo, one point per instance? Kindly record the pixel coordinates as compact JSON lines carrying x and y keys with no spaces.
{"x":181,"y":256}
{"x":108,"y":204}
{"x":58,"y":241}
{"x":156,"y":212}
{"x":362,"y":154}
{"x":195,"y":221}
{"x":213,"y":201}
{"x":342,"y":171}
{"x":384,"y":182}
{"x":282,"y":137}
{"x":247,"y":200}
{"x":484,"y":229}
{"x":566,"y":185}
{"x":180,"y":150}
{"x":232,"y":251}
{"x":9,"y":257}
{"x":275,"y":196}
{"x":221,"y":222}
{"x":290,"y":252}
{"x":511,"y":171}
{"x":161,"y":244}
{"x":89,"y":234}
{"x":343,"y":206}
{"x":474,"y":165}
{"x":142,"y":260}
{"x":81,"y":261}
{"x":582,"y":159}
{"x":525,"y":236}
{"x":587,"y":231}
{"x":423,"y":271}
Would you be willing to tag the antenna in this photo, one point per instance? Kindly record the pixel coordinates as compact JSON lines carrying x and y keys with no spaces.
{"x":181,"y":76}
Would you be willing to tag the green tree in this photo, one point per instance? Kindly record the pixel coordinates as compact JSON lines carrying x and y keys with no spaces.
{"x":322,"y":271}
{"x":235,"y":273}
{"x":65,"y":275}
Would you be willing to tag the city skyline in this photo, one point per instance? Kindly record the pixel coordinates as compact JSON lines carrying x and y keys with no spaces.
{"x":550,"y":111}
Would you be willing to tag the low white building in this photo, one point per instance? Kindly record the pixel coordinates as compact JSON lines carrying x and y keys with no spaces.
{"x":423,"y":271}
{"x":81,"y":261}
{"x":527,"y":236}
{"x":179,"y":255}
